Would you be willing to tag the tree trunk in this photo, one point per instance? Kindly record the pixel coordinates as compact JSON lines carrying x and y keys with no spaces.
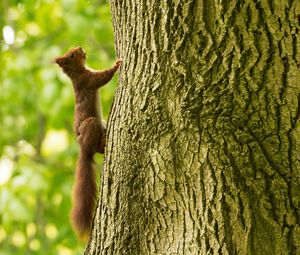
{"x":203,"y":153}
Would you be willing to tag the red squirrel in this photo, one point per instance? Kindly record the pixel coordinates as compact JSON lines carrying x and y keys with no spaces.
{"x":89,"y":130}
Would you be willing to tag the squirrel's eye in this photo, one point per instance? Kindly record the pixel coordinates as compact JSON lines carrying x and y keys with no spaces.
{"x":72,"y":55}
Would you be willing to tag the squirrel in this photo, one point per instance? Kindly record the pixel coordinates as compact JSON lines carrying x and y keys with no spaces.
{"x":90,"y":132}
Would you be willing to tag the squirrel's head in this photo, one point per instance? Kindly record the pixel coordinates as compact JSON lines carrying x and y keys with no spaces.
{"x":72,"y":60}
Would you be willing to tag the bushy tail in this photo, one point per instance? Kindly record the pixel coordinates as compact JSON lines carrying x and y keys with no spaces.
{"x":84,"y":196}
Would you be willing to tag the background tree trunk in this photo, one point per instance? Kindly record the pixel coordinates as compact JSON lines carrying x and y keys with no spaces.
{"x":203,"y":153}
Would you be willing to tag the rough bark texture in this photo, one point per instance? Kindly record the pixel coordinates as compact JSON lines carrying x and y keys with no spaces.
{"x":203,"y":153}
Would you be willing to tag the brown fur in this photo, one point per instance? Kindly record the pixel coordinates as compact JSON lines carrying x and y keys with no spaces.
{"x":84,"y":196}
{"x":90,"y":132}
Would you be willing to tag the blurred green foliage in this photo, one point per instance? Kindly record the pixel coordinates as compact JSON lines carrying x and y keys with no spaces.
{"x":38,"y":151}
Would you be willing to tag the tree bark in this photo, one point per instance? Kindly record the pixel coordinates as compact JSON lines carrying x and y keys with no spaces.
{"x":203,"y":153}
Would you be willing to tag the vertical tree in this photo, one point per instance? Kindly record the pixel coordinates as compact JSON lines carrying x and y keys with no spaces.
{"x":203,"y":153}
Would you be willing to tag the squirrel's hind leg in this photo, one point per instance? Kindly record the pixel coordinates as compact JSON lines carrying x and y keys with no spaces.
{"x":91,"y":136}
{"x":102,"y":143}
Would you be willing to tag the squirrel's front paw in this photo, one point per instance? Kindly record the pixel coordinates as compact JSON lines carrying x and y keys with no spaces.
{"x":118,"y":62}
